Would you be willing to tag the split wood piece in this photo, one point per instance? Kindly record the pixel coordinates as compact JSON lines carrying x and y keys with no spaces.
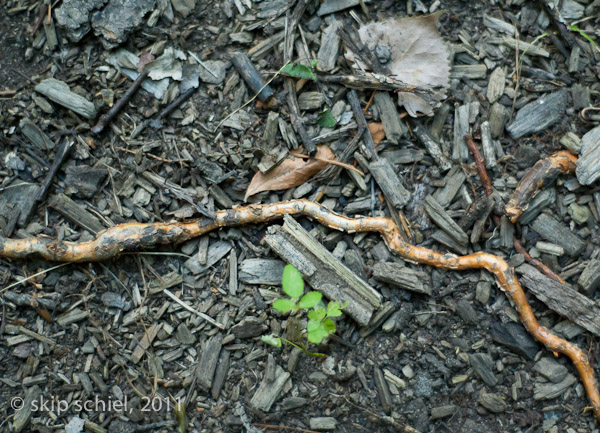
{"x":269,"y":391}
{"x":560,"y":297}
{"x":59,"y":92}
{"x":146,"y":342}
{"x":134,"y":235}
{"x":589,"y":279}
{"x":454,"y":180}
{"x":433,"y":148}
{"x":369,"y":148}
{"x":392,"y":124}
{"x":261,"y":271}
{"x":480,"y":164}
{"x":36,"y":136}
{"x":75,"y":213}
{"x":220,"y":374}
{"x":61,"y":154}
{"x":390,"y":182}
{"x":401,"y":276}
{"x":489,"y":153}
{"x":26,"y":300}
{"x":289,"y":83}
{"x":383,"y":391}
{"x":323,"y":271}
{"x":206,"y":367}
{"x":557,"y":233}
{"x":542,"y":174}
{"x":444,"y":221}
{"x":105,"y":119}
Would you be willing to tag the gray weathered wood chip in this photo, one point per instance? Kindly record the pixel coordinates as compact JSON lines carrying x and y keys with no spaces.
{"x":539,"y":114}
{"x":59,"y":92}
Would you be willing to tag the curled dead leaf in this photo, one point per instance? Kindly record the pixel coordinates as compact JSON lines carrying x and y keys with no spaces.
{"x":417,"y":55}
{"x":290,"y":173}
{"x":377,"y":132}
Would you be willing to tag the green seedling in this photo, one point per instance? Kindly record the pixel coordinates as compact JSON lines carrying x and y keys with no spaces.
{"x":298,"y":70}
{"x":320,"y":324}
{"x":576,"y":28}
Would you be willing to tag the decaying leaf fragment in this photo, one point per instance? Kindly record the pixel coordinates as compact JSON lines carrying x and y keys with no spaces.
{"x":290,"y":173}
{"x":414,"y":52}
{"x":377,"y":132}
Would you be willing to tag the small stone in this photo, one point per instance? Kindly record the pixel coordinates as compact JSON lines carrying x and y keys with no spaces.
{"x":323,"y":423}
{"x":443,"y":411}
{"x":552,"y":370}
{"x":141,"y":197}
{"x":213,"y":71}
{"x":580,"y":214}
{"x":482,"y":293}
{"x":184,"y":335}
{"x":408,"y":371}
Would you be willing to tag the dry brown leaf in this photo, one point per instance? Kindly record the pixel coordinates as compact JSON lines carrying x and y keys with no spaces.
{"x":418,"y":56}
{"x":290,"y":173}
{"x":377,"y":132}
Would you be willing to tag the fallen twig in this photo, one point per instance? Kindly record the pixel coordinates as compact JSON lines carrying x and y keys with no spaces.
{"x":61,"y":154}
{"x":542,"y":174}
{"x":106,"y":118}
{"x":128,"y":236}
{"x":480,"y":164}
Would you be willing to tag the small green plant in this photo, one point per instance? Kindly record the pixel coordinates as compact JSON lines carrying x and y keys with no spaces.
{"x":576,"y":29}
{"x":299,"y":70}
{"x":320,"y":324}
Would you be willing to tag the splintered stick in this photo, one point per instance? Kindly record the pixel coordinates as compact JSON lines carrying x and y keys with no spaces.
{"x":542,"y":174}
{"x":480,"y":164}
{"x":136,"y":235}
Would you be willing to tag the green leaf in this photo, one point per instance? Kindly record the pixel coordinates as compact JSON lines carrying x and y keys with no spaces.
{"x":312,"y":325}
{"x":329,"y":326}
{"x":310,"y":300}
{"x":284,"y":305}
{"x":317,"y":335}
{"x":326,"y":119}
{"x":334,"y":309}
{"x":292,"y":282}
{"x":299,"y":71}
{"x":317,"y":314}
{"x":272,"y":339}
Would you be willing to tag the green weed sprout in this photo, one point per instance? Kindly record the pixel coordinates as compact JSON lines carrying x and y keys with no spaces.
{"x":320,"y":324}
